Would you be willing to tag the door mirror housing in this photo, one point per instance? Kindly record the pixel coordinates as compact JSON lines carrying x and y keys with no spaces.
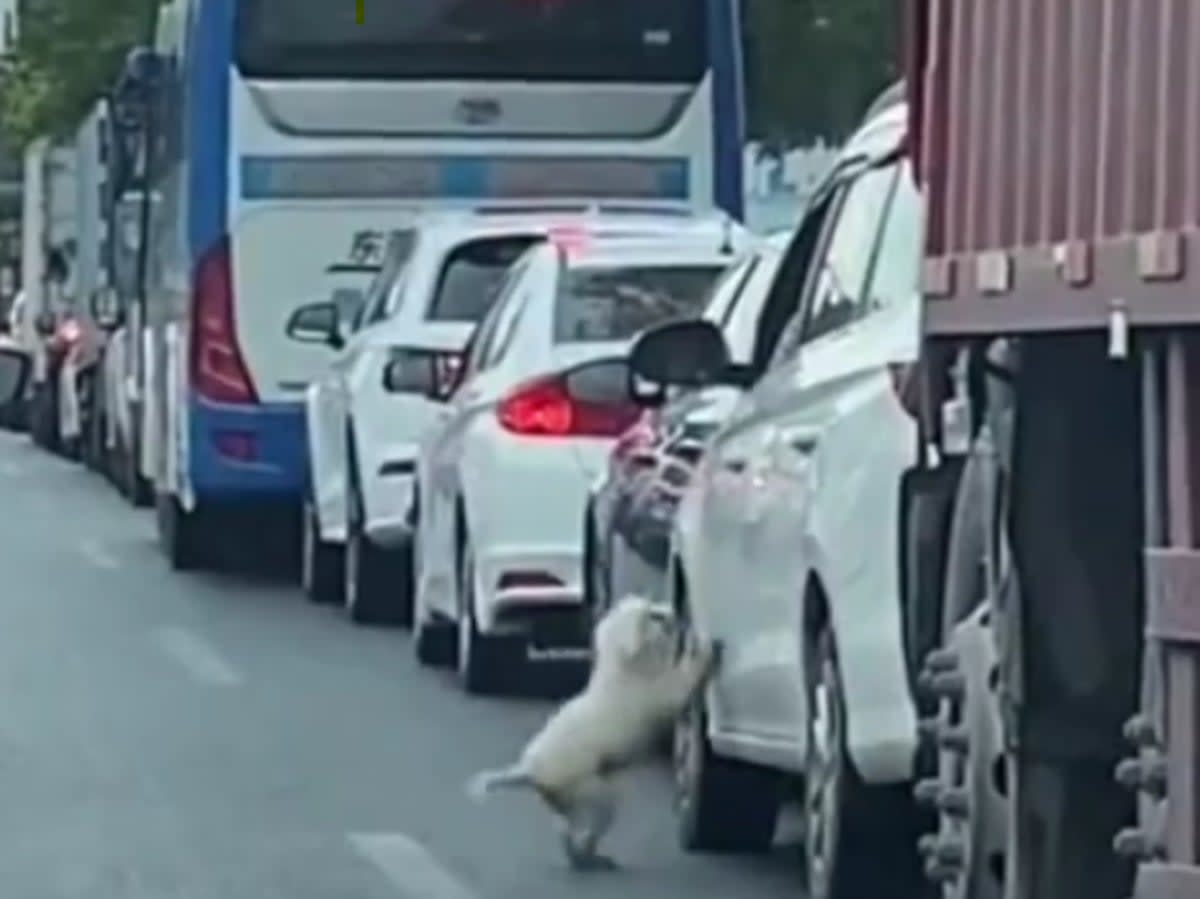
{"x":413,"y":372}
{"x":316,"y":323}
{"x":690,"y":353}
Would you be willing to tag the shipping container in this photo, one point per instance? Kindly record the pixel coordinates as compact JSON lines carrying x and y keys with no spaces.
{"x":1058,"y":144}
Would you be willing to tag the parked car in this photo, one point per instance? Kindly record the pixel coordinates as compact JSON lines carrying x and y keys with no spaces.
{"x":627,"y":522}
{"x":16,"y":366}
{"x":504,"y":477}
{"x":436,"y":281}
{"x":787,"y":547}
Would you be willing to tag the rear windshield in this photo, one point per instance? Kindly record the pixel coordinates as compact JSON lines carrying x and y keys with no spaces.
{"x":528,"y":40}
{"x":472,"y":275}
{"x":596,"y":304}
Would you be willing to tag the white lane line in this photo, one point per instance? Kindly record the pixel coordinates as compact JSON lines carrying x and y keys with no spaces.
{"x":95,"y":553}
{"x":197,"y":657}
{"x":410,"y":867}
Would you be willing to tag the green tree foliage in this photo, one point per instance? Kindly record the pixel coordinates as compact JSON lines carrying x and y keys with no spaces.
{"x":68,"y":53}
{"x":813,"y":66}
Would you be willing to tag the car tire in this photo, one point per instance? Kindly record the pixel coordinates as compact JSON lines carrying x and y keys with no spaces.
{"x":377,"y":582}
{"x":480,"y":656}
{"x":847,"y":820}
{"x":721,"y":805}
{"x":321,"y":561}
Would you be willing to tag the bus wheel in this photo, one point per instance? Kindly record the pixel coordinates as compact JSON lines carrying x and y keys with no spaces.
{"x":184,"y":538}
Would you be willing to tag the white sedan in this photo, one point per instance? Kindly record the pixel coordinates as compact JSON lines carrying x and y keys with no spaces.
{"x":504,"y":478}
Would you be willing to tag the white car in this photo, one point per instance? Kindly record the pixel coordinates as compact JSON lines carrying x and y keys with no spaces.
{"x":787,"y":545}
{"x":436,"y":280}
{"x":504,"y":478}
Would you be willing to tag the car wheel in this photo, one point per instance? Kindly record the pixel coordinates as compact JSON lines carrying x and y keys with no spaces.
{"x":321,"y":561}
{"x":721,"y":805}
{"x":377,"y":583}
{"x":846,"y":820}
{"x":480,"y":662}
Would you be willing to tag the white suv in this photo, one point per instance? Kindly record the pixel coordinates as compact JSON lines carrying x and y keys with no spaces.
{"x":786,"y":546}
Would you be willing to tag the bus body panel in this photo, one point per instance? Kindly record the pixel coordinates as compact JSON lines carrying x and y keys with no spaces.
{"x":283,"y":176}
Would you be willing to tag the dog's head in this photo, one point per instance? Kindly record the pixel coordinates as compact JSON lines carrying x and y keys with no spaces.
{"x":636,"y":630}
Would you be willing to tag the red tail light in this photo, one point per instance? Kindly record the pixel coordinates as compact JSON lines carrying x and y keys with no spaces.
{"x":217,"y":368}
{"x":545,"y":408}
{"x":906,"y":384}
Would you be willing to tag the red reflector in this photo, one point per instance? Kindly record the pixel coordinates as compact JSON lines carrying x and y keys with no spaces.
{"x":241,"y":446}
{"x":544,"y":408}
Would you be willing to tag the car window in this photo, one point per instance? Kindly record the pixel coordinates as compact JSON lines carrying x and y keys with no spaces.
{"x":472,"y":277}
{"x":723,"y":294}
{"x":387,"y":300}
{"x":741,"y":318}
{"x":399,"y":250}
{"x":602,"y":303}
{"x":895,"y":278}
{"x":487,"y":335}
{"x":349,"y":302}
{"x":838,"y":294}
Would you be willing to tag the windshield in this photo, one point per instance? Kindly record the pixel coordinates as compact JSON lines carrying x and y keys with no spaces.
{"x":600,"y":304}
{"x":575,"y":40}
{"x":471,"y":278}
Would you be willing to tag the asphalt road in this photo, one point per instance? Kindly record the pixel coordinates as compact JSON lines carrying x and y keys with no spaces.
{"x":203,"y":737}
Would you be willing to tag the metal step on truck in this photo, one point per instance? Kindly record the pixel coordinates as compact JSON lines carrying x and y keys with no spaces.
{"x":1052,"y":562}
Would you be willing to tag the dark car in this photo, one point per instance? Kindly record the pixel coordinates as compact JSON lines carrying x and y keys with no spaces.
{"x":628,"y":519}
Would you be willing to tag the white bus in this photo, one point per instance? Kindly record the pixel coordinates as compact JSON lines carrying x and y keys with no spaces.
{"x":288,"y":129}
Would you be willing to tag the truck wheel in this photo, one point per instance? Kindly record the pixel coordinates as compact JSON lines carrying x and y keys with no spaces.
{"x":967,"y":853}
{"x":321,"y":562}
{"x":846,"y":820}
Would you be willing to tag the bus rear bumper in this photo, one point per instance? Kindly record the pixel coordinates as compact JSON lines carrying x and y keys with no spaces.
{"x":254,"y":452}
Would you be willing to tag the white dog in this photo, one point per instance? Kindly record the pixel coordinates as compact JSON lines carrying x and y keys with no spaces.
{"x":640,"y":683}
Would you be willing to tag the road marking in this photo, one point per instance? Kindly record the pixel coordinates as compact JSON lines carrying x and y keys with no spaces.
{"x":410,"y":867}
{"x":197,"y":657}
{"x":96,"y":554}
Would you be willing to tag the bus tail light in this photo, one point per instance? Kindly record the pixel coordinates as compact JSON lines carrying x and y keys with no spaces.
{"x":218,"y":370}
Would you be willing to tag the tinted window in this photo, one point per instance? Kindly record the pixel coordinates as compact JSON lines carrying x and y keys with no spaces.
{"x":374,"y":306}
{"x":617,"y":303}
{"x":472,"y":276}
{"x":590,"y":40}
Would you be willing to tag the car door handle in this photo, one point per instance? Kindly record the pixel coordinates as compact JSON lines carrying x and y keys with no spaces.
{"x":803,"y":440}
{"x":734,"y":466}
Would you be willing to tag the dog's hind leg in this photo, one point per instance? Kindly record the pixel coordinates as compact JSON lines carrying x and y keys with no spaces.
{"x":587,"y":823}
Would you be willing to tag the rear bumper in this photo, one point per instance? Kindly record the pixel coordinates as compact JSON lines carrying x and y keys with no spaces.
{"x":251,"y":452}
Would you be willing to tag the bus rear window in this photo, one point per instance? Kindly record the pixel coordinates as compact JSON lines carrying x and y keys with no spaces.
{"x":600,"y":304}
{"x":526,"y":40}
{"x":472,"y":276}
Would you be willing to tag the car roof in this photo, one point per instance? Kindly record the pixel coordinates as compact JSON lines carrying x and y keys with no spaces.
{"x":652,"y":252}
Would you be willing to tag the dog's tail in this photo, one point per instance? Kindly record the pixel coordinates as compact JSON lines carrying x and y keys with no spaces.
{"x":485,"y":782}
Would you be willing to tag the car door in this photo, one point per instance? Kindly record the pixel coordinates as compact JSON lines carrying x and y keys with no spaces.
{"x":825,"y":355}
{"x":442,"y":446}
{"x":329,"y":395}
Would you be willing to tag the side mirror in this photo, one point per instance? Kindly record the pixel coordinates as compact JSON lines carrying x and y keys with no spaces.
{"x":15,"y":369}
{"x":105,"y":308}
{"x":689,"y":353}
{"x":45,"y":324}
{"x":316,"y":323}
{"x":412,"y":371}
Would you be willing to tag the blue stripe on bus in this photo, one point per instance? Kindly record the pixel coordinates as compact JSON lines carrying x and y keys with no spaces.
{"x":209,"y":57}
{"x":729,"y":112}
{"x":462,"y":177}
